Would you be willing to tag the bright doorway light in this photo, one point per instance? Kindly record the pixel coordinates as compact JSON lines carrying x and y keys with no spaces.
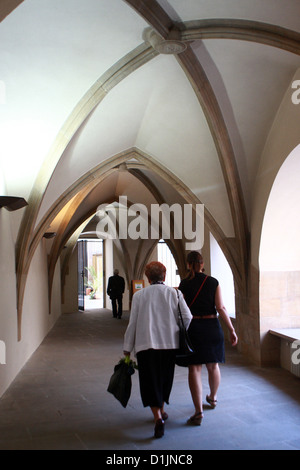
{"x":221,"y":270}
{"x":165,"y":257}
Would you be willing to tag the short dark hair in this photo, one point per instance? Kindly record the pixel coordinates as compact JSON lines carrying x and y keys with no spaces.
{"x":155,"y":271}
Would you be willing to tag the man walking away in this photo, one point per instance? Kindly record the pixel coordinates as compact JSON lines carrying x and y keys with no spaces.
{"x":115,"y":290}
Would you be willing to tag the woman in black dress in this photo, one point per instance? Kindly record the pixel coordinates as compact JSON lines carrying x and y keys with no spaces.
{"x":203,"y":296}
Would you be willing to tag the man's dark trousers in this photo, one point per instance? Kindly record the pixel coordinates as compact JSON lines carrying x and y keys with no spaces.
{"x":117,"y":306}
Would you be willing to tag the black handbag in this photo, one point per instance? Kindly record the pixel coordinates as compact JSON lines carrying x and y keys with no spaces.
{"x":120,"y":381}
{"x":185,"y":344}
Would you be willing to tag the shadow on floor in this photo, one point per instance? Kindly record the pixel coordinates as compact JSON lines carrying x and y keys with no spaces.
{"x":60,"y":401}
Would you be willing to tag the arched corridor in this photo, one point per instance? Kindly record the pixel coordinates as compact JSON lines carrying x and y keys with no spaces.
{"x":111,"y":108}
{"x":59,"y":400}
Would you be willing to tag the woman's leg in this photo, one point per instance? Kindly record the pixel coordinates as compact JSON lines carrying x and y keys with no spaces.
{"x":195,"y":384}
{"x":159,"y":413}
{"x":214,"y":379}
{"x":156,"y":412}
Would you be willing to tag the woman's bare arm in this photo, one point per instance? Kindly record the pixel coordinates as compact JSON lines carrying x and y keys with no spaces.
{"x":221,"y":309}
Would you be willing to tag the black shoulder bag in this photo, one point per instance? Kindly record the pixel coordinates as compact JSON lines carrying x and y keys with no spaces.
{"x":185,"y":345}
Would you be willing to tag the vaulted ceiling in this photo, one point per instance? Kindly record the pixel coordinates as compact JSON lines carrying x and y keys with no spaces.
{"x":183,"y":93}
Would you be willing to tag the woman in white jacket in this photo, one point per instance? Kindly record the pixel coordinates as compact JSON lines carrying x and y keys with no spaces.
{"x":153,"y":335}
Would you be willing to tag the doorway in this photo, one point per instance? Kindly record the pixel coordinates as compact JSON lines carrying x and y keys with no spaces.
{"x":165,"y":257}
{"x":90,"y":274}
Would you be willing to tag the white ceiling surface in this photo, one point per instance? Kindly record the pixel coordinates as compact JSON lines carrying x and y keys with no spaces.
{"x":52,"y":52}
{"x":118,"y":183}
{"x":156,"y":111}
{"x":284,"y":13}
{"x":249,"y":81}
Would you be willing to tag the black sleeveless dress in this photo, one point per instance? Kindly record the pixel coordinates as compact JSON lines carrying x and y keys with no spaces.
{"x":206,"y":334}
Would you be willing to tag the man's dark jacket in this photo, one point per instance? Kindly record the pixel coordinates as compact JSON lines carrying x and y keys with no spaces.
{"x":116,"y":286}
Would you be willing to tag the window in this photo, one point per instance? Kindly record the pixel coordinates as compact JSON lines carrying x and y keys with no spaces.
{"x":165,"y":257}
{"x":220,"y":269}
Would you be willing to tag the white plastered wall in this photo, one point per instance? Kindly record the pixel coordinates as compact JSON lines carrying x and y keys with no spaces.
{"x":283,"y":138}
{"x":278,"y":288}
{"x":36,"y":320}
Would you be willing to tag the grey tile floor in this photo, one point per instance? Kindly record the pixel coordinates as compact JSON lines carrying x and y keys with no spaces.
{"x":59,"y":400}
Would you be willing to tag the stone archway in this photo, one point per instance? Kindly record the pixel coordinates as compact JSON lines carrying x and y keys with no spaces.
{"x":279,"y":257}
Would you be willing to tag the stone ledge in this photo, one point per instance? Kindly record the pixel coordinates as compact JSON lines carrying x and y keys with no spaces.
{"x":290,"y":334}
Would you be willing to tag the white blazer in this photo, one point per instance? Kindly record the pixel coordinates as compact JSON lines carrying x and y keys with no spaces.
{"x":154,"y":319}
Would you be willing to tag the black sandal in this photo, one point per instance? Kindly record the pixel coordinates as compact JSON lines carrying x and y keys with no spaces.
{"x":213,"y":403}
{"x":196,"y":419}
{"x":159,"y":429}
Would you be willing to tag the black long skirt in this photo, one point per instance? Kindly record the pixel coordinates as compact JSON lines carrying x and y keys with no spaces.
{"x":207,"y":338}
{"x":156,"y":374}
